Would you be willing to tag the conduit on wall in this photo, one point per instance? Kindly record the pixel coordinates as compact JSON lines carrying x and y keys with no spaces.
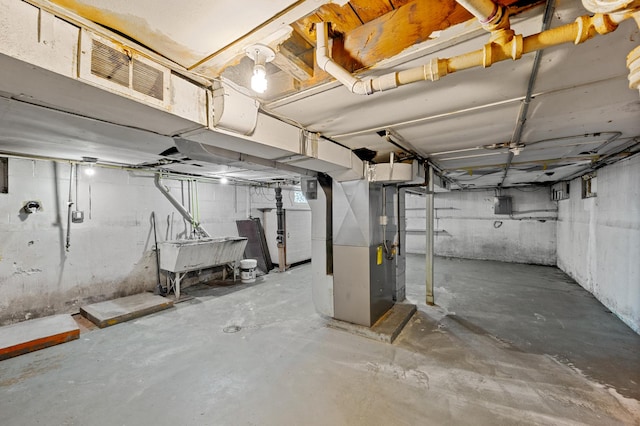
{"x":503,"y":44}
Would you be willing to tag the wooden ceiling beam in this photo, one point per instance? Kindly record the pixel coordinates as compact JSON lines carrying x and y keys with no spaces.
{"x":394,"y":32}
{"x":293,"y":65}
{"x":368,"y":10}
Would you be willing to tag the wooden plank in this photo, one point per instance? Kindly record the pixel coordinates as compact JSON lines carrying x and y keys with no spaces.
{"x":28,"y":336}
{"x":368,"y":10}
{"x":399,"y":3}
{"x":386,"y":36}
{"x":288,"y":62}
{"x":305,"y":27}
{"x":411,"y":23}
{"x":343,"y":19}
{"x":392,"y":33}
{"x":111,"y":312}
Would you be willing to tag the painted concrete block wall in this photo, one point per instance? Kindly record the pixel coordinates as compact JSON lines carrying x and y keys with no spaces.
{"x":599,"y":239}
{"x":111,"y":253}
{"x":298,"y":222}
{"x":467,"y":227}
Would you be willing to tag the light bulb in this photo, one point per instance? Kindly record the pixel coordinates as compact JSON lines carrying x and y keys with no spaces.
{"x":89,"y":171}
{"x":259,"y":79}
{"x":224,"y":180}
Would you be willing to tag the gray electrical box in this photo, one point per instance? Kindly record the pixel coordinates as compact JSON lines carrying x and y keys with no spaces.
{"x":77,"y":216}
{"x":309,"y":187}
{"x":502,"y":205}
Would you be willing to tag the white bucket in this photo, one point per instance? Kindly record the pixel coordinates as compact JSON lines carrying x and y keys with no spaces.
{"x":248,"y":270}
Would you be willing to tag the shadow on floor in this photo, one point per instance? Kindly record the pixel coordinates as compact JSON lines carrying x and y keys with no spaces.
{"x":534,"y":309}
{"x":218,"y":288}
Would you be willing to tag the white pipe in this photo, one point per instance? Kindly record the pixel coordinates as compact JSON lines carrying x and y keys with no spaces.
{"x":179,"y":207}
{"x":486,"y":11}
{"x":354,"y":84}
{"x":432,"y":71}
{"x":503,"y":45}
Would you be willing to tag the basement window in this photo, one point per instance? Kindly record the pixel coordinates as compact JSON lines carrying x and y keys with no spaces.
{"x":298,"y":197}
{"x":589,"y":185}
{"x":560,"y":191}
{"x":4,"y":175}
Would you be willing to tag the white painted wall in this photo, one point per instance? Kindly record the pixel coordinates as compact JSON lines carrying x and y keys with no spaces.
{"x":468,"y":228}
{"x":599,"y":239}
{"x":111,"y":253}
{"x":298,"y":223}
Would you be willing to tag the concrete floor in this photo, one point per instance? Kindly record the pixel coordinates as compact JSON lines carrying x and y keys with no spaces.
{"x":511,"y":354}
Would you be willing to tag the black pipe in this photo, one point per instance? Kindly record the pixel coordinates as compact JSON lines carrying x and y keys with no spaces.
{"x":280,"y":216}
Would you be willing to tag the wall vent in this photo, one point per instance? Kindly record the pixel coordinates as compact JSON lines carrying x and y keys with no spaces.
{"x":502,"y":205}
{"x":147,"y":80}
{"x":122,"y":70}
{"x":110,"y":64}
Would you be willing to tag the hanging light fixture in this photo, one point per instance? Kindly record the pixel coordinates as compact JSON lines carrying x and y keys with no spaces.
{"x":91,"y":161}
{"x":260,"y":54}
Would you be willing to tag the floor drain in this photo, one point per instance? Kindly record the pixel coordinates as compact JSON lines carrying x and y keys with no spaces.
{"x":231,"y":329}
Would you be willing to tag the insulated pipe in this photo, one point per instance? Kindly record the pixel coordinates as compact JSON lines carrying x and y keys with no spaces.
{"x":490,"y":14}
{"x":178,"y":206}
{"x":504,"y":45}
{"x":354,"y":84}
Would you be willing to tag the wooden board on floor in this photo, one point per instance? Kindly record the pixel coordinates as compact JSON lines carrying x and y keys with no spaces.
{"x":28,"y":336}
{"x":111,"y":312}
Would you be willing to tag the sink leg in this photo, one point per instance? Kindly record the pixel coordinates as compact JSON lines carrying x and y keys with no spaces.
{"x":177,"y":286}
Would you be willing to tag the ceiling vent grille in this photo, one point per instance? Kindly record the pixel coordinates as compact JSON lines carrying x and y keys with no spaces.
{"x":109,"y":63}
{"x":123,"y":70}
{"x":147,"y":80}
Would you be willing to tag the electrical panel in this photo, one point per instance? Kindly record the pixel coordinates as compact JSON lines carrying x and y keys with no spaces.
{"x":309,"y":187}
{"x":502,"y":205}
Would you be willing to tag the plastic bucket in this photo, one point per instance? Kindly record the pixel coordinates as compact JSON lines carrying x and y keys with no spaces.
{"x":248,"y":270}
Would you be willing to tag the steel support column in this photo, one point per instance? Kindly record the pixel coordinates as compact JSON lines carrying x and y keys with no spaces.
{"x":429,"y":236}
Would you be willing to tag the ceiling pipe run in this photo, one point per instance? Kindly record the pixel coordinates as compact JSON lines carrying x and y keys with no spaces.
{"x":492,"y":16}
{"x":515,"y":146}
{"x":503,"y":44}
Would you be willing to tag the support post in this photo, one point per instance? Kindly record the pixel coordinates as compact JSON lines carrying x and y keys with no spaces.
{"x":280,"y":233}
{"x":429,"y":231}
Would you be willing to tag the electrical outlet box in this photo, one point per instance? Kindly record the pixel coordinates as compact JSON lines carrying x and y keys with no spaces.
{"x":502,"y":205}
{"x":77,"y":216}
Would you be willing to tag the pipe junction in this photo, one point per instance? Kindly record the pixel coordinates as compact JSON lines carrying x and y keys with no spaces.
{"x":503,"y":44}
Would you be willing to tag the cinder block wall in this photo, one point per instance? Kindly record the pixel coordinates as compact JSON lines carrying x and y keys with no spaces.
{"x":599,"y":239}
{"x":467,"y":227}
{"x":111,"y":253}
{"x":297,"y":218}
